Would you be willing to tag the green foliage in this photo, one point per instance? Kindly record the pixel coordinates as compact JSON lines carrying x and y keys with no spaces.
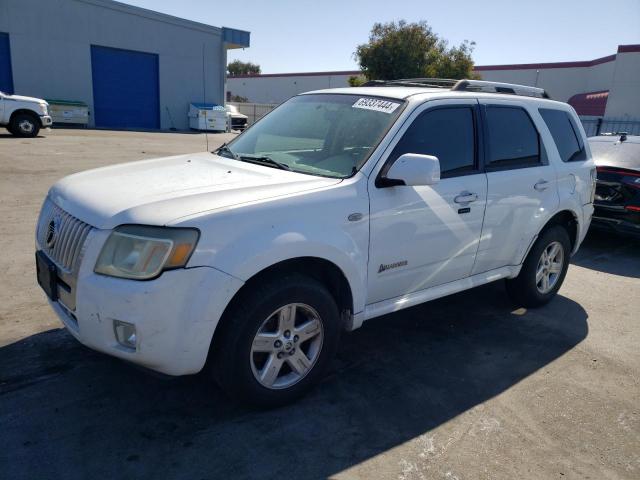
{"x":243,"y":68}
{"x":237,"y":99}
{"x":356,"y":80}
{"x":412,"y":50}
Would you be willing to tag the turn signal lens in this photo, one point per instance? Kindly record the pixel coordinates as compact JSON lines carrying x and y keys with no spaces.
{"x":180,"y":255}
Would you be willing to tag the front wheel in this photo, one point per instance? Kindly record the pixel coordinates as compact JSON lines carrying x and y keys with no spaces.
{"x":543,"y":270}
{"x":25,"y":125}
{"x":277,"y":341}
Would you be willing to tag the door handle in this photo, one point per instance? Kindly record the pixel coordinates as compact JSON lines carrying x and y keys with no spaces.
{"x":466,"y":197}
{"x":541,"y":186}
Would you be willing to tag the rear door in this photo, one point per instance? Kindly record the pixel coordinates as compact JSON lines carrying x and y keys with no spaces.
{"x":522,"y":185}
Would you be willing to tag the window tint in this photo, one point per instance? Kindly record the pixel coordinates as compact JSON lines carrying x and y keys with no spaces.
{"x":513,"y":139}
{"x":564,"y":134}
{"x":446,"y":133}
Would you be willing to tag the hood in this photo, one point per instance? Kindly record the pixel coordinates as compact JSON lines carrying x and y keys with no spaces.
{"x":22,"y":98}
{"x":159,"y":191}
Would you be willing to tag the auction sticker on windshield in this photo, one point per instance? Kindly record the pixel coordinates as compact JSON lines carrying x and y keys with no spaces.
{"x":376,"y":104}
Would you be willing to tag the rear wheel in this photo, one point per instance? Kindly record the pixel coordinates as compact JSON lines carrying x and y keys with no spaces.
{"x":25,"y":125}
{"x":543,"y":270}
{"x":277,"y":341}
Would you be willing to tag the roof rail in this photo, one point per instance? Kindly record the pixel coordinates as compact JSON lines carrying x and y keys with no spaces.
{"x":462,"y":86}
{"x":499,"y":87}
{"x":413,"y":82}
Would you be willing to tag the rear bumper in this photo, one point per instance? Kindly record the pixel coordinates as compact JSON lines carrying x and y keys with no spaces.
{"x":616,"y":217}
{"x":616,"y":224}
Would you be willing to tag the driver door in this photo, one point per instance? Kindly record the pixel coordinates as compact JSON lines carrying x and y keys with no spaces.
{"x":423,"y":236}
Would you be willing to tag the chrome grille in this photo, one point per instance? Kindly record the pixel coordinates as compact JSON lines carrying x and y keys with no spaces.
{"x":61,"y":235}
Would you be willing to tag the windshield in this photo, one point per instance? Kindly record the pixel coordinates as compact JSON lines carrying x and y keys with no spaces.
{"x":329,"y":135}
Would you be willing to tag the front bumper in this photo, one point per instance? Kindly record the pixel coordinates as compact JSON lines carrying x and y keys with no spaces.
{"x":175,"y":315}
{"x":46,"y":120}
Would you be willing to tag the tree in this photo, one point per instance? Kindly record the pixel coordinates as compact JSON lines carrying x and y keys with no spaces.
{"x":356,"y":80}
{"x":243,"y":68}
{"x":412,"y":50}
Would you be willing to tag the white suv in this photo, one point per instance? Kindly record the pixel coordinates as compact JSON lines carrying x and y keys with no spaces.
{"x":339,"y":206}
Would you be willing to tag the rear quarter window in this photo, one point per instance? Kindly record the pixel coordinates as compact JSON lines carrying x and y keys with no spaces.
{"x":564,"y":133}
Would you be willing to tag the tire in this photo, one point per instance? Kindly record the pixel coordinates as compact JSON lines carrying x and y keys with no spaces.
{"x":25,"y":125}
{"x":256,"y":340}
{"x":525,"y":289}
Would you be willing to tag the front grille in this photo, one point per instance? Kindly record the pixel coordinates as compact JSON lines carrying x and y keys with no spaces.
{"x":61,"y":235}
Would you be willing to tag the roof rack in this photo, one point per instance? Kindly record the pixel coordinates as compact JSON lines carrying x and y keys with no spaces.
{"x":462,"y":86}
{"x":414,"y":82}
{"x":499,"y":87}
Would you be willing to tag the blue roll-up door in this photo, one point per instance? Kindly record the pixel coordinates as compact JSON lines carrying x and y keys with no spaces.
{"x":6,"y":76}
{"x":125,"y":88}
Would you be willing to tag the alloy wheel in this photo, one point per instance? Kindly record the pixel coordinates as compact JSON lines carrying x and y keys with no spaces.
{"x":549,"y":267}
{"x":286,"y":346}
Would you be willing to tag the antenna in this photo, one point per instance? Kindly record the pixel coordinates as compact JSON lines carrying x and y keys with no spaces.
{"x":204,"y":100}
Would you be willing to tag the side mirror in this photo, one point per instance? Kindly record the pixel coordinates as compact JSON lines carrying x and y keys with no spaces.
{"x":413,"y":169}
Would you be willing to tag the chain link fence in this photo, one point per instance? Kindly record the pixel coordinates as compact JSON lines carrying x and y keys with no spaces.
{"x":595,"y":126}
{"x":255,"y":111}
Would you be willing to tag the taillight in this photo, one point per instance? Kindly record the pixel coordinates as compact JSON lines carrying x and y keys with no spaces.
{"x":627,"y":177}
{"x":632,"y":208}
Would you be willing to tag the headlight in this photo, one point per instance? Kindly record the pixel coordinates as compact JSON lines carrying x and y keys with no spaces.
{"x":43,"y":107}
{"x":141,"y":253}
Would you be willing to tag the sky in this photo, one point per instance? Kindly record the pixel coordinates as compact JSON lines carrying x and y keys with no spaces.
{"x":308,"y":36}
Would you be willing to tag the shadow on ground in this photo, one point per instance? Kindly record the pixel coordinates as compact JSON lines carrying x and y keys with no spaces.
{"x":67,"y":412}
{"x":610,"y":252}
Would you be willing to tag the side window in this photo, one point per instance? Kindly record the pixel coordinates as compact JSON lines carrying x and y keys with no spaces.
{"x":513,"y":140}
{"x":564,"y":134}
{"x":447,"y":133}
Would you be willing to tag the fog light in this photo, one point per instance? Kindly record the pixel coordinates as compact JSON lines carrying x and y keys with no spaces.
{"x":125,"y":333}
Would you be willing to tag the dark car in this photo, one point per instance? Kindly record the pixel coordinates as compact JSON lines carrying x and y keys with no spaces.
{"x":617,"y":198}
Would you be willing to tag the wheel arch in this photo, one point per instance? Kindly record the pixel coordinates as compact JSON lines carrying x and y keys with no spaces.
{"x":566,"y":218}
{"x":321,"y":269}
{"x":25,"y":111}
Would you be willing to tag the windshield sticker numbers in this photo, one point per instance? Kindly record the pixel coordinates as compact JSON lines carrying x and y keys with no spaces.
{"x":376,"y":104}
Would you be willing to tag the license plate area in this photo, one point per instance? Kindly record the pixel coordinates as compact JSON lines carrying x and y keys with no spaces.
{"x":47,"y":274}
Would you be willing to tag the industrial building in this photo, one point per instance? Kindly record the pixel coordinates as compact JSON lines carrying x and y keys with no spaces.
{"x":604,"y":87}
{"x":134,"y":68}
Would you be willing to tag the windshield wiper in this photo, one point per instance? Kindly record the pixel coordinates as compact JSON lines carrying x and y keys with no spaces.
{"x":263,"y":160}
{"x":225,"y":149}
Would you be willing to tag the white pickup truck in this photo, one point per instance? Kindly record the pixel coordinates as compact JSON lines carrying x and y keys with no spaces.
{"x":23,"y":116}
{"x":339,"y":206}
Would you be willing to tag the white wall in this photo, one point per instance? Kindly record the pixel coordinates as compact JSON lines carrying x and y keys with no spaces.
{"x":278,"y":88}
{"x":624,"y":97}
{"x":560,"y":83}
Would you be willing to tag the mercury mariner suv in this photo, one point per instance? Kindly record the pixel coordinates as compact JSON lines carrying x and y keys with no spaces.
{"x":339,"y":206}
